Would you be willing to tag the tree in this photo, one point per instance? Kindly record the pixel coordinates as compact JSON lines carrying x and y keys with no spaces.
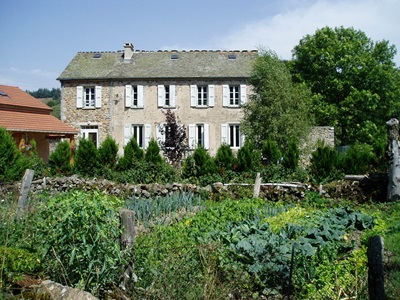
{"x":86,"y":158}
{"x":132,"y":153}
{"x":355,"y":80}
{"x":279,"y":109}
{"x":153,"y":153}
{"x":108,"y":153}
{"x":59,"y":160}
{"x":175,"y":144}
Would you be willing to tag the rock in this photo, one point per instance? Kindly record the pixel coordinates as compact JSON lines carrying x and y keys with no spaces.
{"x":57,"y":291}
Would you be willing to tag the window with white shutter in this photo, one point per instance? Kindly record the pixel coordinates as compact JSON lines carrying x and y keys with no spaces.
{"x":88,"y":96}
{"x":134,"y":96}
{"x":199,"y":134}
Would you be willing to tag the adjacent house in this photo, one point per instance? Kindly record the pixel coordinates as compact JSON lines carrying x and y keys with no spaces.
{"x":126,"y":93}
{"x":27,"y":118}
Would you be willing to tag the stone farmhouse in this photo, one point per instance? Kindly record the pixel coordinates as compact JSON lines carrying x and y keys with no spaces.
{"x":126,"y":93}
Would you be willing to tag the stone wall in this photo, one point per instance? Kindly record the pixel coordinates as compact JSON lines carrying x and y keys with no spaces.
{"x":325,"y":134}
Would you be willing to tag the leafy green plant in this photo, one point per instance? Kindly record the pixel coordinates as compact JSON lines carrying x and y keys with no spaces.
{"x":80,"y":235}
{"x":358,"y":159}
{"x":108,"y":153}
{"x":86,"y":158}
{"x":59,"y":160}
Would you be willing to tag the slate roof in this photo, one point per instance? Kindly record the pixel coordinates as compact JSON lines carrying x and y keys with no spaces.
{"x":20,"y":112}
{"x":160,"y":64}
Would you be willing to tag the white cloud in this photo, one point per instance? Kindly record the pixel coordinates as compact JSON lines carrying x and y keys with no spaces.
{"x":31,"y":80}
{"x":280,"y":33}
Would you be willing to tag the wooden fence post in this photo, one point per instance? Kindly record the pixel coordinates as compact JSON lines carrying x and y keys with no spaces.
{"x":257,"y":184}
{"x":128,"y":225}
{"x":376,"y":288}
{"x":23,"y":193}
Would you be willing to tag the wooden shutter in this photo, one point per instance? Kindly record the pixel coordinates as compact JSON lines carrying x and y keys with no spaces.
{"x":79,"y":96}
{"x":161,"y":95}
{"x":147,"y":135}
{"x":224,"y":134}
{"x":206,"y":136}
{"x":128,"y":96}
{"x":225,"y":95}
{"x":243,"y":94}
{"x":211,"y":97}
{"x":98,"y":96}
{"x":192,"y":130}
{"x":193,"y":95}
{"x":127,"y":134}
{"x":140,"y":94}
{"x":172,"y":96}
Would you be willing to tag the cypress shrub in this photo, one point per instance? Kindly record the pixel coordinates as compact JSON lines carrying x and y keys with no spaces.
{"x":291,"y":156}
{"x":324,"y":163}
{"x":12,"y":162}
{"x":358,"y":159}
{"x":270,"y":152}
{"x":86,"y":158}
{"x":200,"y":163}
{"x":108,"y":153}
{"x":248,"y":159}
{"x":59,"y":160}
{"x":224,"y":159}
{"x":153,"y":153}
{"x":132,"y":153}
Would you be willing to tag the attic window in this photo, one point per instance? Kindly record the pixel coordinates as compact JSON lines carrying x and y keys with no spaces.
{"x":232,"y":56}
{"x":3,"y":94}
{"x":174,"y":56}
{"x":97,"y":55}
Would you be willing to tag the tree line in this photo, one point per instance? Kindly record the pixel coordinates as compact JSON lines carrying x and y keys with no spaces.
{"x":54,"y":93}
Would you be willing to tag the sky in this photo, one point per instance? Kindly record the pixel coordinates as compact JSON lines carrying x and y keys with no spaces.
{"x":38,"y":38}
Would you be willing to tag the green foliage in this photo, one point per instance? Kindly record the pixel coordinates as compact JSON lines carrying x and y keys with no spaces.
{"x":279,"y":109}
{"x":46,"y":93}
{"x":132,"y":153}
{"x":108,"y":153}
{"x":200,"y":163}
{"x":291,"y":156}
{"x":12,"y":162}
{"x":248,"y":158}
{"x":354,"y":80}
{"x":358,"y":159}
{"x":86,"y":158}
{"x":270,"y":152}
{"x":324,"y":164}
{"x":153,"y":153}
{"x":59,"y":160}
{"x":224,"y":159}
{"x":78,"y":237}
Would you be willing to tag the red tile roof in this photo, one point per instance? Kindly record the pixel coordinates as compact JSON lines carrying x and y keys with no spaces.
{"x":20,"y":113}
{"x":17,"y":97}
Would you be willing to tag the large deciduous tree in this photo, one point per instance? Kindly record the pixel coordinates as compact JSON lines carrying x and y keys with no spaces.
{"x":279,"y":109}
{"x":355,"y":80}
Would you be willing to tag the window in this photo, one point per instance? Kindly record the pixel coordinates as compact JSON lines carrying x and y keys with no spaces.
{"x":90,"y":132}
{"x":202,"y":95}
{"x":166,"y":96}
{"x":88,"y":96}
{"x":141,"y":133}
{"x":199,"y":135}
{"x":134,"y":96}
{"x":230,"y":135}
{"x":234,"y":95}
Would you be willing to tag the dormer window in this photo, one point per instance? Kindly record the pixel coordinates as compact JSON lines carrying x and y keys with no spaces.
{"x":232,"y":56}
{"x":174,"y":56}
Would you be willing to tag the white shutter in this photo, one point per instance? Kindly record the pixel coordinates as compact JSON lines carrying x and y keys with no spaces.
{"x":225,"y":95}
{"x":159,"y":136}
{"x":192,"y":130}
{"x":206,"y":136}
{"x":243,"y":94}
{"x":140,"y":95}
{"x":128,"y":96}
{"x":243,"y":140}
{"x":98,"y":96}
{"x":193,"y":95}
{"x":172,"y":96}
{"x":224,"y":134}
{"x":147,"y":135}
{"x":127,"y":134}
{"x":211,"y":95}
{"x":79,"y":96}
{"x":161,"y":95}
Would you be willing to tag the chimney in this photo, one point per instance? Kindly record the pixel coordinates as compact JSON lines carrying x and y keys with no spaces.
{"x":128,"y":51}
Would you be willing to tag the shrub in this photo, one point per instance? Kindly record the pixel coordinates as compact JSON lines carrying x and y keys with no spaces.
{"x":12,"y":164}
{"x":86,"y":158}
{"x":270,"y":152}
{"x":132,"y":152}
{"x":80,"y":234}
{"x":108,"y":153}
{"x":224,"y":159}
{"x":324,"y":163}
{"x":153,"y":153}
{"x":291,"y":156}
{"x":200,"y":163}
{"x":358,"y":159}
{"x":248,"y":158}
{"x":59,"y":160}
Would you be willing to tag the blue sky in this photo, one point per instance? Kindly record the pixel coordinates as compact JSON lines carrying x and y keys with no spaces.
{"x":38,"y":38}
